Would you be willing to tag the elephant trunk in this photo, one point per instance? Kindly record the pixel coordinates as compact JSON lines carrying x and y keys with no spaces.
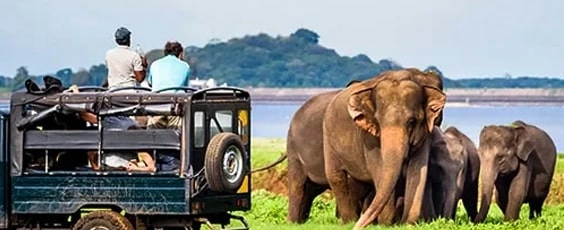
{"x":488,"y":177}
{"x":393,"y":152}
{"x":449,"y":205}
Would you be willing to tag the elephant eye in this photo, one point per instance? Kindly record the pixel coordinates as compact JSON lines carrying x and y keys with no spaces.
{"x":411,"y":122}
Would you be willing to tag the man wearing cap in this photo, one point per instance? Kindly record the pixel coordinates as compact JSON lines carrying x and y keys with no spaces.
{"x":126,"y":68}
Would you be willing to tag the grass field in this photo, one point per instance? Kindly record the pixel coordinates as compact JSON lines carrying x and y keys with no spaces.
{"x":269,"y":205}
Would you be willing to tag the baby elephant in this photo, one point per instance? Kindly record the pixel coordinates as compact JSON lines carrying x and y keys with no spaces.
{"x":454,"y":167}
{"x":519,"y":160}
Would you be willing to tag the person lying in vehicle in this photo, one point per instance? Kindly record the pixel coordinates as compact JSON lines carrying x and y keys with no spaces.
{"x":126,"y":160}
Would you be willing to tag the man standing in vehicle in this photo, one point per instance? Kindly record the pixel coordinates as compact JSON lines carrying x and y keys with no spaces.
{"x":126,"y":68}
{"x":168,"y":71}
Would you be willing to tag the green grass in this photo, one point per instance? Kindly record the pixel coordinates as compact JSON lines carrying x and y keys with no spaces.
{"x":266,"y":150}
{"x":560,"y":163}
{"x":269,"y":210}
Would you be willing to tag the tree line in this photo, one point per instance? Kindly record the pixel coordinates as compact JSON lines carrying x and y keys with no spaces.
{"x":297,"y":60}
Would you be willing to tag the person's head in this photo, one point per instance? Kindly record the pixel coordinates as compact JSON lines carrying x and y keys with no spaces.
{"x":123,"y":36}
{"x":174,"y":48}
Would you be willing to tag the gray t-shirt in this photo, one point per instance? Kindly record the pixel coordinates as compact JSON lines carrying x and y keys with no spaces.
{"x":122,"y":63}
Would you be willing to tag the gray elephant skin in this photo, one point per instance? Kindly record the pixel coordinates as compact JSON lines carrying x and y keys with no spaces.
{"x":453,"y":170}
{"x":372,"y":132}
{"x":519,"y":160}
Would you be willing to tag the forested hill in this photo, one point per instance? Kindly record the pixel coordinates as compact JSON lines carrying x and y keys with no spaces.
{"x":296,"y":60}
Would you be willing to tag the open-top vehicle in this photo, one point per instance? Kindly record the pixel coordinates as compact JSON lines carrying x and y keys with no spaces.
{"x":48,"y":183}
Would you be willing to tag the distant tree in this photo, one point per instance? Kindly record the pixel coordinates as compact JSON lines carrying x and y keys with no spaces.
{"x":64,"y":75}
{"x":22,"y":72}
{"x":214,"y":41}
{"x":362,"y":58}
{"x":388,"y":64}
{"x":282,"y":61}
{"x":82,"y":77}
{"x":307,"y":35}
{"x":98,"y":74}
{"x":433,"y":68}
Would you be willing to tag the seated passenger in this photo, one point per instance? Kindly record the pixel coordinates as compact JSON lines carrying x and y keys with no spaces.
{"x":168,"y":71}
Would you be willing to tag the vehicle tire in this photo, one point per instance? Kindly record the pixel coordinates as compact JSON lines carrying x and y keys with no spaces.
{"x":103,"y":220}
{"x":225,"y":162}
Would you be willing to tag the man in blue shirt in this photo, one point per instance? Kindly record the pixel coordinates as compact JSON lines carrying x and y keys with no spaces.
{"x":170,"y":70}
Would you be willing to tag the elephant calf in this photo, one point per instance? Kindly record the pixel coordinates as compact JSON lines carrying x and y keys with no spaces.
{"x":447,"y":169}
{"x":519,"y":160}
{"x":453,"y":169}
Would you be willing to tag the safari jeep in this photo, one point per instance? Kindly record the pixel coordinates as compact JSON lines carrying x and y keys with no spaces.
{"x":48,"y":181}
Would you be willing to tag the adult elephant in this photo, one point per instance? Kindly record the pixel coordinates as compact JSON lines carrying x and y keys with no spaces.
{"x":470,"y":191}
{"x":304,"y":151}
{"x":519,"y":160}
{"x":374,"y":130}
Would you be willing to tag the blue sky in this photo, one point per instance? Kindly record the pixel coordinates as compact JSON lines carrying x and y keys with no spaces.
{"x":463,"y":38}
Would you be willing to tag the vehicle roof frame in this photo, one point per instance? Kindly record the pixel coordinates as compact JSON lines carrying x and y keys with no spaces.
{"x":124,"y":103}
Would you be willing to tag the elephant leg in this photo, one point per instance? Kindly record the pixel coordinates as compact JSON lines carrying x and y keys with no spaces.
{"x":347,"y":207}
{"x":358,"y":191}
{"x":387,"y":215}
{"x":517,"y":193}
{"x":399,"y":209}
{"x":416,"y":182}
{"x":430,"y":209}
{"x":470,"y":200}
{"x":535,"y":208}
{"x":501,"y":193}
{"x":450,"y":203}
{"x":301,"y":192}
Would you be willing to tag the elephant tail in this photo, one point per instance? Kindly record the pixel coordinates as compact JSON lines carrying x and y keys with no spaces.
{"x":280,"y":159}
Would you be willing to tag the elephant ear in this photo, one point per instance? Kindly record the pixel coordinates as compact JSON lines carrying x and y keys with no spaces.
{"x":436,"y":100}
{"x":524,"y":145}
{"x":361,"y":107}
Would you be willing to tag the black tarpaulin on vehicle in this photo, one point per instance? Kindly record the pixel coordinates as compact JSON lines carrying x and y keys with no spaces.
{"x":25,"y":134}
{"x":114,"y":139}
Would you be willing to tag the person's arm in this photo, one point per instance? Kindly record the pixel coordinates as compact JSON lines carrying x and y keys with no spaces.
{"x":90,"y":117}
{"x":139,"y":65}
{"x":147,"y":159}
{"x":93,"y":159}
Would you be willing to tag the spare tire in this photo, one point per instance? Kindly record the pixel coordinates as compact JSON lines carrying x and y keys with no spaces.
{"x":225,"y":163}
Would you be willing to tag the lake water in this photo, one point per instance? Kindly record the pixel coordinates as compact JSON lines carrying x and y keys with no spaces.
{"x":272,"y":120}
